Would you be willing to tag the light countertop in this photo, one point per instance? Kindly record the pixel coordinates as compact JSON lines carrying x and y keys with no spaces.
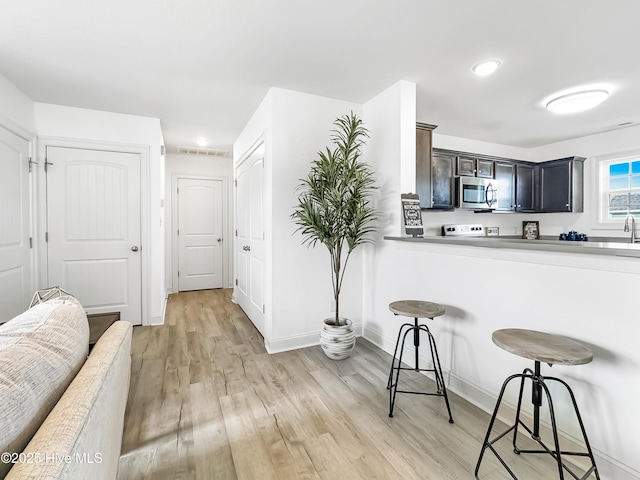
{"x":544,"y":244}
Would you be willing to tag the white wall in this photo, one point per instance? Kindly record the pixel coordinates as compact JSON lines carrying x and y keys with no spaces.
{"x":193,"y":166}
{"x":390,"y":117}
{"x":303,"y":296}
{"x":449,"y":142}
{"x":260,"y":129}
{"x":17,"y":113}
{"x":69,"y":123}
{"x":295,"y":126}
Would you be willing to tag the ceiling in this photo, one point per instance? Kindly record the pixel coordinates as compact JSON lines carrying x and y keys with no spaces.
{"x":203,"y":66}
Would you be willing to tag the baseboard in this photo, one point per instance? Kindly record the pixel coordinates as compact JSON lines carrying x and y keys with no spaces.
{"x":608,"y":467}
{"x":304,"y":340}
{"x":158,"y":319}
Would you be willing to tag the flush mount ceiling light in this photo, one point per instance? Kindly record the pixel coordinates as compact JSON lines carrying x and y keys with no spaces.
{"x":486,"y":67}
{"x":577,"y":101}
{"x":202,"y":142}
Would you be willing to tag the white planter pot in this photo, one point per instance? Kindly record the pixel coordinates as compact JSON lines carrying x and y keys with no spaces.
{"x":337,"y":341}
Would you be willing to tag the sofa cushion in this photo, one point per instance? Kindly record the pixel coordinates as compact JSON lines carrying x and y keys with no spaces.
{"x":82,"y":436}
{"x":41,"y":351}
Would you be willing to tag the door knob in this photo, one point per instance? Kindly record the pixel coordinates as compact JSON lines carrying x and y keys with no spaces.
{"x":246,"y":248}
{"x":218,"y":240}
{"x":134,"y":249}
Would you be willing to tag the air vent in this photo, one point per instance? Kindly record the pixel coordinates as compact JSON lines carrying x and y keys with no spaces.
{"x":209,"y":152}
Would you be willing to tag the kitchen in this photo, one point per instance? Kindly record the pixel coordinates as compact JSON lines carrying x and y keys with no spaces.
{"x":548,"y":286}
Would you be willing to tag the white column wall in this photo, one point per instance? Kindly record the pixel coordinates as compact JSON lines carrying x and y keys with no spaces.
{"x":302,"y":292}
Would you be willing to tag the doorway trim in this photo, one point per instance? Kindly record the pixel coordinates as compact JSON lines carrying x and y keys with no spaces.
{"x":40,"y":211}
{"x":227,"y":239}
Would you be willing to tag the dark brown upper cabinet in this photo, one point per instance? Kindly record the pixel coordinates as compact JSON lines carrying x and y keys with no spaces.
{"x":474,"y":167}
{"x":442,"y":194}
{"x":561,"y":184}
{"x":506,"y":183}
{"x":525,"y":188}
{"x":552,"y":186}
{"x":434,"y":172}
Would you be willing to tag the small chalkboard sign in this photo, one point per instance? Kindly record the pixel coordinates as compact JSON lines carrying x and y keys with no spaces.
{"x":411,"y":214}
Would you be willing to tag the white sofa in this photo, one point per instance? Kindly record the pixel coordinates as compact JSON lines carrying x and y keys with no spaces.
{"x":62,"y":412}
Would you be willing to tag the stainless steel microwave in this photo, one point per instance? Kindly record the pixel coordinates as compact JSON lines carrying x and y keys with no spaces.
{"x":476,"y":193}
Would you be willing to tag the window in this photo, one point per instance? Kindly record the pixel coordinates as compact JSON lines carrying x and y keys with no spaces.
{"x":620,"y":188}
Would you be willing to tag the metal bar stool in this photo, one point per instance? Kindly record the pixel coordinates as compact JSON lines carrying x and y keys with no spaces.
{"x":416,"y":309}
{"x":550,"y":349}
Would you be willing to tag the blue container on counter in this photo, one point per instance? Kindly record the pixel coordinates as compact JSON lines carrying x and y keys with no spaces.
{"x":574,"y":236}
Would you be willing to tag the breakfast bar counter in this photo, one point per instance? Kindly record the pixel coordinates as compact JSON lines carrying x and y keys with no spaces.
{"x":610,"y":248}
{"x":583,"y":290}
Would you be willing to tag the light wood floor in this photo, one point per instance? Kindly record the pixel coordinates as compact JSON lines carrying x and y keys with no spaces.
{"x":207,"y":402}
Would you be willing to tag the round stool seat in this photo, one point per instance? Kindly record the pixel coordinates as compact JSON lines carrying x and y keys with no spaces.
{"x":416,"y":309}
{"x":542,"y":347}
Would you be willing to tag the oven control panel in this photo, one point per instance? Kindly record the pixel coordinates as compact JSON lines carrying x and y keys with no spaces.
{"x":471,"y":230}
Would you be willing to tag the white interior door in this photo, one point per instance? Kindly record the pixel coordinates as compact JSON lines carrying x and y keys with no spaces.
{"x":249,"y":245}
{"x":199,"y":234}
{"x":16,"y":286}
{"x":93,"y":225}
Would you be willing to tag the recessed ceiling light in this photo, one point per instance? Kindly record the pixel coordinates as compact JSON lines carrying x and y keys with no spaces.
{"x":202,"y":142}
{"x":577,"y":101}
{"x":486,"y":67}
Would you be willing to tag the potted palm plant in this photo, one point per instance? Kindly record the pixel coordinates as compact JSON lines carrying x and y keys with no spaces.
{"x":334,"y":209}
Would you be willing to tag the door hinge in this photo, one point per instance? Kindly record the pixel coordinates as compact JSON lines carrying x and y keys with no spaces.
{"x":236,"y":281}
{"x":236,"y":232}
{"x":178,"y":272}
{"x":178,"y":191}
{"x":30,"y":242}
{"x":46,"y":236}
{"x":31,"y":164}
{"x":178,"y":232}
{"x":263,"y":310}
{"x":162,"y":150}
{"x":235,"y":182}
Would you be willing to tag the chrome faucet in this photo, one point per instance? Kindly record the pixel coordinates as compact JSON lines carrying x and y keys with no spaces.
{"x":633,"y":227}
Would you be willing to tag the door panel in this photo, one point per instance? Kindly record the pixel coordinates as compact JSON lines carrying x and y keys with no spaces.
{"x":93,"y":224}
{"x":249,"y":245}
{"x":199,"y":234}
{"x":16,"y":286}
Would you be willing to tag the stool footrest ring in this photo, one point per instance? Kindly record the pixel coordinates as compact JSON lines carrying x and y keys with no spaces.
{"x":538,"y":385}
{"x":392,"y":383}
